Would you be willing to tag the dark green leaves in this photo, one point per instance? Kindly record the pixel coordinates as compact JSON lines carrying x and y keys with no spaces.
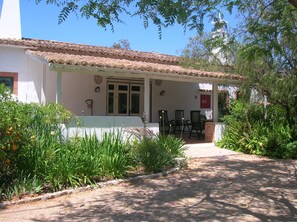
{"x":70,"y":7}
{"x":162,"y":13}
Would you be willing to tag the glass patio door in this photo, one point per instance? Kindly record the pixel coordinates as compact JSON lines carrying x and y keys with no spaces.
{"x":136,"y":99}
{"x":124,"y":99}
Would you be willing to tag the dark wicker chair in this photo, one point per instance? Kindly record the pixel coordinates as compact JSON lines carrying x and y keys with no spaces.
{"x":165,"y":126}
{"x":197,"y":123}
{"x":180,"y":122}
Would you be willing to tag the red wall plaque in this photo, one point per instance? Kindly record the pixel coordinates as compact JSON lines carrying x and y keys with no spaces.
{"x":205,"y":101}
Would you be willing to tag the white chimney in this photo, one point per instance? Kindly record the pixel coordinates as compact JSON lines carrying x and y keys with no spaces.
{"x":10,"y":20}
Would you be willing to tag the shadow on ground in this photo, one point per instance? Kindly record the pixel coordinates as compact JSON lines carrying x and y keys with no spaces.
{"x":228,"y":188}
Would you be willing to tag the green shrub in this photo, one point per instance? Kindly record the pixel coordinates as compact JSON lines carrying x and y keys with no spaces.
{"x":158,"y":153}
{"x":30,"y":135}
{"x":291,"y":150}
{"x":14,"y":138}
{"x":247,"y":130}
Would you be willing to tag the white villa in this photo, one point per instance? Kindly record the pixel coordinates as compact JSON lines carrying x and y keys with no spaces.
{"x":112,"y":86}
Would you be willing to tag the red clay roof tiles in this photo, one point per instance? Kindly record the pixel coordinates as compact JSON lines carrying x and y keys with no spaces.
{"x":96,"y":56}
{"x":80,"y":49}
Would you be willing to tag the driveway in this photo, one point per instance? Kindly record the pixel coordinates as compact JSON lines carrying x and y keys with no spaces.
{"x":218,"y":188}
{"x":206,"y":150}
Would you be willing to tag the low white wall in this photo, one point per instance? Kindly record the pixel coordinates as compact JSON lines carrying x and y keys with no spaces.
{"x":218,"y":132}
{"x":106,"y":124}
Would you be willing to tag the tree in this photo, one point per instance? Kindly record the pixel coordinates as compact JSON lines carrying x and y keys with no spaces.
{"x":122,"y":44}
{"x":268,"y":54}
{"x":199,"y":53}
{"x":263,"y":50}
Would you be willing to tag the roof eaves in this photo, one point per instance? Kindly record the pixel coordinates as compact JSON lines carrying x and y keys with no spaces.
{"x":107,"y":63}
{"x":141,"y":73}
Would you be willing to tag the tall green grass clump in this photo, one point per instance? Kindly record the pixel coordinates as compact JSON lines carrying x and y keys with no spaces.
{"x":115,"y":156}
{"x":158,"y":153}
{"x":86,"y":160}
{"x":109,"y":157}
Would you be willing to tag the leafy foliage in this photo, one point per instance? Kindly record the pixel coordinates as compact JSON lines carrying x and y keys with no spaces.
{"x":158,"y":153}
{"x":199,"y":54}
{"x":268,"y":55}
{"x":28,"y":132}
{"x":263,"y":49}
{"x":162,"y":13}
{"x":248,"y":131}
{"x":36,"y":157}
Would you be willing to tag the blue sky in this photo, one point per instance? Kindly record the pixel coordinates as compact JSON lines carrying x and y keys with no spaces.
{"x":41,"y":22}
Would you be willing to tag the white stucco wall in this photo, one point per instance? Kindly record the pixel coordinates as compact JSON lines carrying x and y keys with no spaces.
{"x":76,"y":88}
{"x":13,"y":59}
{"x":36,"y":83}
{"x":50,"y":88}
{"x":108,"y":124}
{"x":178,"y":95}
{"x":34,"y":80}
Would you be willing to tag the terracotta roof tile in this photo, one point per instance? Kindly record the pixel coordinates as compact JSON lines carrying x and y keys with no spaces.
{"x":97,"y":56}
{"x":104,"y":62}
{"x":80,"y":49}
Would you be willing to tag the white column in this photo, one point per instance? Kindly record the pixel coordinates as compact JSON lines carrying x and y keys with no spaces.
{"x":215,"y":107}
{"x":43,"y":85}
{"x":59,"y":87}
{"x":147,"y":98}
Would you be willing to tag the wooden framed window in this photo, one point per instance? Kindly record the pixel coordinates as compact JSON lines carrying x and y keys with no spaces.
{"x":10,"y":79}
{"x":124,"y":99}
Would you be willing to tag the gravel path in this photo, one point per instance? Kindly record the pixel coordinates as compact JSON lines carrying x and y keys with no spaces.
{"x":223,"y":188}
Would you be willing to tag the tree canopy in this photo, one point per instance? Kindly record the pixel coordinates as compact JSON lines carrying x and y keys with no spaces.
{"x":122,"y":44}
{"x":163,"y":13}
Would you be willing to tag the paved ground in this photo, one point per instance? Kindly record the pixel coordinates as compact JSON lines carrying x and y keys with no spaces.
{"x":220,"y":188}
{"x":206,"y":150}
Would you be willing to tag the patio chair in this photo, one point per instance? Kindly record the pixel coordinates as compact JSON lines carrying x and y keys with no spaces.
{"x":203,"y":120}
{"x":197,"y":125}
{"x":165,"y":126}
{"x":180,"y":122}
